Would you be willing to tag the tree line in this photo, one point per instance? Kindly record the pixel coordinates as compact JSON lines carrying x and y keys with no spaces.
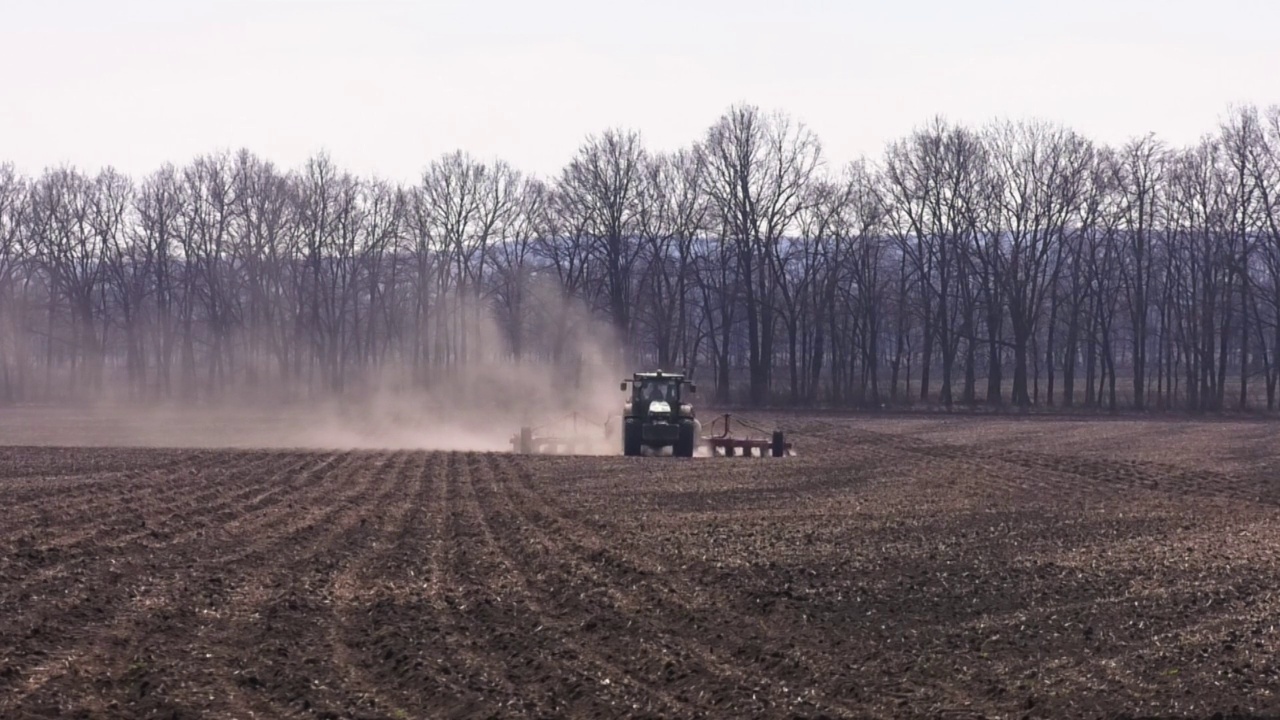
{"x":1013,"y":264}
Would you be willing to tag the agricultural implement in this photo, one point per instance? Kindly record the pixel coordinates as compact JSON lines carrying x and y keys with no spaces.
{"x":567,"y":435}
{"x":657,"y":415}
{"x":727,"y":444}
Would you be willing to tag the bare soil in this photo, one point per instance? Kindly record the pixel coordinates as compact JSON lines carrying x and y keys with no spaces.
{"x":895,"y":569}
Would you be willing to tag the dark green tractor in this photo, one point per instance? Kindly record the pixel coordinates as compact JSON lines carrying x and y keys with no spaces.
{"x":659,"y":414}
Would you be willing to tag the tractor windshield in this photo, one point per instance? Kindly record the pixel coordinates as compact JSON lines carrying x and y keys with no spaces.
{"x":651,"y":389}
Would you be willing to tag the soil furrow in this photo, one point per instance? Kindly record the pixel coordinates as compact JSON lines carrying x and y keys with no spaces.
{"x":95,"y":516}
{"x":909,"y":568}
{"x":556,"y":600}
{"x":52,"y":513}
{"x":493,"y":620}
{"x":106,"y":604}
{"x":88,"y":585}
{"x":33,"y":564}
{"x":389,"y":673}
{"x":747,"y":665}
{"x":270,"y":589}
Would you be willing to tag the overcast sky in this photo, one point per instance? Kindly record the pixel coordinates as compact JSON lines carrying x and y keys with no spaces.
{"x":386,"y":86}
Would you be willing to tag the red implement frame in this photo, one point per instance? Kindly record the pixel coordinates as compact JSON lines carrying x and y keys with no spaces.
{"x":726,"y":445}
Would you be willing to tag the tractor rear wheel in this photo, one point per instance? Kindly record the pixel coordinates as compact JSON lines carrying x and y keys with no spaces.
{"x":631,"y":438}
{"x":684,"y":445}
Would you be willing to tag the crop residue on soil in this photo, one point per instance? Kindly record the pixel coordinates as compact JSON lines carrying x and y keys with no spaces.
{"x":886,"y":571}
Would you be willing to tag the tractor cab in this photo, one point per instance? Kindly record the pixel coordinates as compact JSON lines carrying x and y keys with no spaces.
{"x":658,"y":414}
{"x":657,"y":393}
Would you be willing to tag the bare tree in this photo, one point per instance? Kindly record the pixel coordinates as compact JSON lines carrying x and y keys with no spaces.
{"x":13,"y":189}
{"x":264,"y":250}
{"x":70,"y":255}
{"x":934,"y":194}
{"x":758,"y":169}
{"x":1265,"y":170}
{"x":689,"y":211}
{"x":854,"y":284}
{"x":1138,"y":171}
{"x":209,"y":297}
{"x":515,"y":262}
{"x":603,"y":186}
{"x":375,"y":322}
{"x":1039,"y":173}
{"x":128,"y":264}
{"x":1143,"y":266}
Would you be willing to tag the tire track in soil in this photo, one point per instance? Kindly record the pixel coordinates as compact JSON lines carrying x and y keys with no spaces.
{"x":118,"y":519}
{"x":115,"y":530}
{"x":1001,"y":475}
{"x":792,"y":656}
{"x":1112,"y":477}
{"x":790,"y":650}
{"x":1054,"y":478}
{"x":367,"y":645}
{"x":86,"y":503}
{"x":246,"y":500}
{"x":584,"y":554}
{"x":131,"y":508}
{"x":933,"y":464}
{"x":619,"y":610}
{"x":445,"y":594}
{"x":184,"y":603}
{"x":403,"y":636}
{"x":538,"y":537}
{"x":549,"y":679}
{"x":96,"y":521}
{"x":426,"y":609}
{"x":390,"y":657}
{"x":378,"y":630}
{"x":285,"y":584}
{"x":529,"y":573}
{"x":168,"y":598}
{"x":262,"y":534}
{"x":35,"y":484}
{"x":807,"y":642}
{"x":126,"y":577}
{"x":79,"y":589}
{"x":226,"y":577}
{"x":1146,"y":475}
{"x":229,"y":521}
{"x":452,"y":660}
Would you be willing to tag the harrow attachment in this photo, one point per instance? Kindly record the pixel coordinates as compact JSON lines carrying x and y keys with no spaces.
{"x":726,"y":444}
{"x":570,"y":435}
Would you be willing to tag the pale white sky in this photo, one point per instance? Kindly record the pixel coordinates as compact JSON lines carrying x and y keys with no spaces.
{"x":385,"y":86}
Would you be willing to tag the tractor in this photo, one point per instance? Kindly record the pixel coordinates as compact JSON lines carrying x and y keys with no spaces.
{"x":658,"y":414}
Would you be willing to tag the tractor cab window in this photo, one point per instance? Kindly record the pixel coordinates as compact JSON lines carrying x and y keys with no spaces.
{"x":658,"y":390}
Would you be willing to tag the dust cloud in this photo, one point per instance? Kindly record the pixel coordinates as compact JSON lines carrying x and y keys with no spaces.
{"x":563,"y":380}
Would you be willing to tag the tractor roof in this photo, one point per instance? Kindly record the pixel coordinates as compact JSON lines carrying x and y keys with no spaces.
{"x":659,"y":374}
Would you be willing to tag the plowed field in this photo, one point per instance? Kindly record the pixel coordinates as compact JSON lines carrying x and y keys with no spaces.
{"x":888,"y":570}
